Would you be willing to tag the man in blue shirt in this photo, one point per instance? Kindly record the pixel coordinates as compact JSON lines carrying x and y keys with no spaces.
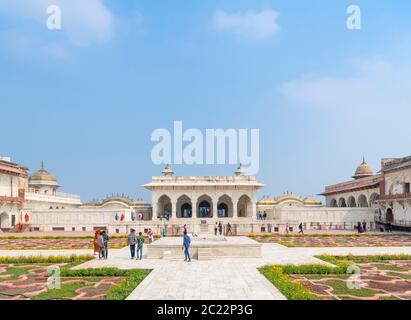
{"x":186,"y":247}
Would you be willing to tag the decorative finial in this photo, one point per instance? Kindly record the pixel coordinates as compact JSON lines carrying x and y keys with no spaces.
{"x":168,"y":171}
{"x":240,"y":171}
{"x":42,"y":165}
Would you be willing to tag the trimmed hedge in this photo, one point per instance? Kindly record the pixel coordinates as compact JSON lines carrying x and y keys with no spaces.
{"x":269,"y":235}
{"x":46,"y":259}
{"x":290,"y":289}
{"x":363,"y":259}
{"x":340,"y":268}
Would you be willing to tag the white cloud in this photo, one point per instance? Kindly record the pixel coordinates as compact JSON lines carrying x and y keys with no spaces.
{"x":84,"y":23}
{"x":26,"y":46}
{"x":250,"y":25}
{"x":372,"y":85}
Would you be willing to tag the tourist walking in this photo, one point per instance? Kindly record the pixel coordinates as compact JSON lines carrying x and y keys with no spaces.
{"x":164,"y":232}
{"x":287,"y":229}
{"x":186,"y":247}
{"x":301,"y":228}
{"x":359,"y":227}
{"x":150,"y":235}
{"x":215,"y":229}
{"x":185,"y":229}
{"x":229,"y":229}
{"x":101,"y":247}
{"x":106,"y":241}
{"x":140,"y":243}
{"x":131,"y":240}
{"x":95,"y":243}
{"x":364,"y":226}
{"x":220,"y":228}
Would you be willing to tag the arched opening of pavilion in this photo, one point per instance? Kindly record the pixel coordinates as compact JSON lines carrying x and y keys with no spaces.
{"x":342,"y":203}
{"x":205,"y":207}
{"x":184,"y":207}
{"x":373,"y":199}
{"x":164,"y":207}
{"x":225,"y":207}
{"x":362,"y":201}
{"x":333,"y":203}
{"x":351,"y":202}
{"x":244,"y":207}
{"x":4,"y":220}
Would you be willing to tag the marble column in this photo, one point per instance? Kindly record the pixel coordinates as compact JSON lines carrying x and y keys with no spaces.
{"x":254,"y":210}
{"x":193,"y":206}
{"x":173,"y":209}
{"x":215,"y":207}
{"x":235,"y":209}
{"x":154,"y":213}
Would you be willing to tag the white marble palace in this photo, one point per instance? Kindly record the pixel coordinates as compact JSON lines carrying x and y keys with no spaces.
{"x":35,"y":202}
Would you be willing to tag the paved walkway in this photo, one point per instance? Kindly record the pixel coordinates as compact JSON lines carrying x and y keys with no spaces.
{"x":225,"y":279}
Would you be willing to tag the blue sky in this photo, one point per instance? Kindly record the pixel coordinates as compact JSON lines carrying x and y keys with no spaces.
{"x":85,"y":99}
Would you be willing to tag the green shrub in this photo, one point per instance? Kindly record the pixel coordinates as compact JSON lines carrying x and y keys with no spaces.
{"x":290,"y":289}
{"x":127,"y":286}
{"x":100,"y":272}
{"x":363,"y":259}
{"x":315,"y":269}
{"x":46,"y":259}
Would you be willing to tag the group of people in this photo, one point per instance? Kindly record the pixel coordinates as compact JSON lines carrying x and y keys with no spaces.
{"x":218,"y":229}
{"x":101,"y":241}
{"x":262,"y":215}
{"x":134,"y":241}
{"x":300,"y":228}
{"x":361,"y":227}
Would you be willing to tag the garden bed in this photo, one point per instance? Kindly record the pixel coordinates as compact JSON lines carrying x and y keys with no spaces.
{"x":382,"y":277}
{"x":51,"y":278}
{"x":347,"y":240}
{"x":56,"y":243}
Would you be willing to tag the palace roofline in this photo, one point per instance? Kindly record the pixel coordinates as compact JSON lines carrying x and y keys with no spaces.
{"x":390,"y":164}
{"x":14,"y":168}
{"x":198,"y":181}
{"x":348,"y":186}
